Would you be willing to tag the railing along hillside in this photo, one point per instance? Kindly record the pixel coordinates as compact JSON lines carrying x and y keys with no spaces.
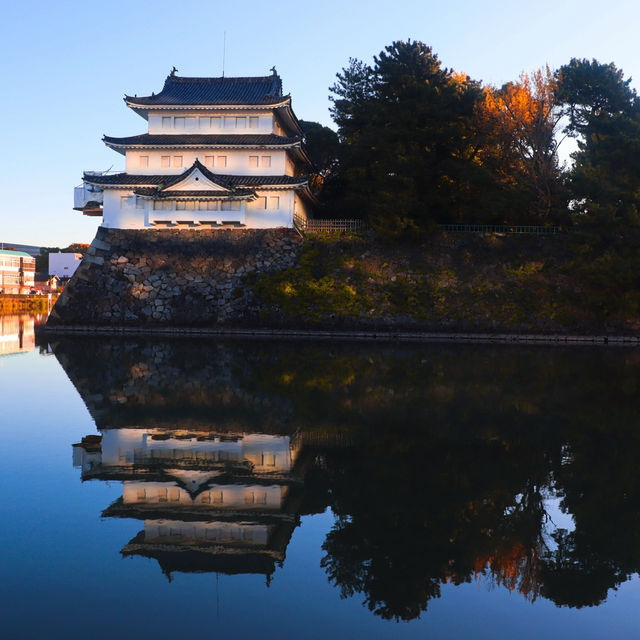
{"x":499,"y":228}
{"x":328,"y":226}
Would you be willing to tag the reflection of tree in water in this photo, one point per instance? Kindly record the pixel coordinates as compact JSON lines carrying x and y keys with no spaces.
{"x":449,"y":455}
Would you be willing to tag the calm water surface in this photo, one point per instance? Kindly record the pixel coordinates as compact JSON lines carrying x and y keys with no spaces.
{"x":238,"y":489}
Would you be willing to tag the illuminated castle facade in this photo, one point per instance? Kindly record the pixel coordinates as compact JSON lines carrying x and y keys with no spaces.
{"x":218,"y":151}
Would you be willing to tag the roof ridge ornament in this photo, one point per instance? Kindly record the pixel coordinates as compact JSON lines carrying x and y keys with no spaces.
{"x":273,"y":70}
{"x":173,"y":72}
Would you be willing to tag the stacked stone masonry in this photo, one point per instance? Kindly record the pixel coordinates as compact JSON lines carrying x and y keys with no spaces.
{"x":172,"y":277}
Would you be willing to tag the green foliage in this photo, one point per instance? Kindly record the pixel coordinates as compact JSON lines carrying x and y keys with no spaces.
{"x":405,"y":124}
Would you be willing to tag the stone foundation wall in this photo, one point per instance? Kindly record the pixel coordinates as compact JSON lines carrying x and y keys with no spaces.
{"x":172,"y":277}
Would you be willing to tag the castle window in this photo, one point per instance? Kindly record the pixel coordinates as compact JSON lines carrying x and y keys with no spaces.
{"x":162,"y":495}
{"x":177,"y":161}
{"x":208,"y":161}
{"x":162,"y":205}
{"x":205,"y":122}
{"x":265,"y":161}
{"x":230,"y":205}
{"x":222,"y":161}
{"x":174,"y":495}
{"x":274,"y":202}
{"x":185,"y":205}
{"x":217,"y":497}
{"x":216,"y":122}
{"x":141,"y":494}
{"x":139,"y":203}
{"x":253,"y":162}
{"x":241,"y":123}
{"x":166,"y":122}
{"x":125,"y":201}
{"x":261,"y":202}
{"x":190,"y":122}
{"x":229,"y":122}
{"x":144,"y":162}
{"x":254,"y":122}
{"x":178,"y":123}
{"x":165,"y":161}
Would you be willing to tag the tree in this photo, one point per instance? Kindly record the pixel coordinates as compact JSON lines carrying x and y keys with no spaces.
{"x":603,"y":113}
{"x":408,"y":149}
{"x":519,"y":123}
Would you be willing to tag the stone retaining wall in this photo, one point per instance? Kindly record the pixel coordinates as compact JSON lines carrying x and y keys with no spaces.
{"x":172,"y":277}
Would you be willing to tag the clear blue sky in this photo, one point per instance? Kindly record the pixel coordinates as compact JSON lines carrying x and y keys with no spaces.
{"x":68,"y":63}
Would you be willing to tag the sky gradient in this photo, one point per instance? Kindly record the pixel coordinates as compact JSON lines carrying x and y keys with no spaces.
{"x":69,"y":63}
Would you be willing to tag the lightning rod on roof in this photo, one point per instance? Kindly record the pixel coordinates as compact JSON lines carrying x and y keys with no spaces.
{"x":224,"y":51}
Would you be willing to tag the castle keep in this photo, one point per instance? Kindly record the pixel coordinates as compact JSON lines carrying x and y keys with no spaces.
{"x":218,"y":152}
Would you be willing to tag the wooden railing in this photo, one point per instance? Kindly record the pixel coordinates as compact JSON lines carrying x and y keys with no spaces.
{"x":499,"y":228}
{"x":328,"y":226}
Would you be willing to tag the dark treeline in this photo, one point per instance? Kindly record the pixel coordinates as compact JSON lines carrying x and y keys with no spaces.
{"x":418,"y":145}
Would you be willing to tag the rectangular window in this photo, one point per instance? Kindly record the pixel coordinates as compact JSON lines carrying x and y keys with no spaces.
{"x":265,"y":161}
{"x":178,"y":123}
{"x":212,"y":205}
{"x":260,"y":497}
{"x":241,"y":123}
{"x":216,"y":122}
{"x":274,"y":202}
{"x":124,"y":201}
{"x":162,"y":495}
{"x":208,"y":161}
{"x":162,"y":205}
{"x":139,"y":203}
{"x":144,"y":162}
{"x":166,"y":122}
{"x":222,"y":161}
{"x":269,"y":459}
{"x":254,"y":122}
{"x":185,"y":205}
{"x":190,"y":122}
{"x":142,"y":494}
{"x":177,"y":161}
{"x":165,"y":161}
{"x":204,"y":122}
{"x":231,"y":205}
{"x":217,"y":497}
{"x":174,"y":495}
{"x":261,"y":202}
{"x":205,"y":498}
{"x":253,"y":162}
{"x":229,"y":122}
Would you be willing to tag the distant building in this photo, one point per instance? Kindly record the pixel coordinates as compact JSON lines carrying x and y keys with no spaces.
{"x":218,"y":151}
{"x":17,"y":272}
{"x":64,"y":265}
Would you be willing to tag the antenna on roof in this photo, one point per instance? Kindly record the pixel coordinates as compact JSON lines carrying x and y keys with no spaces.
{"x":224,"y":51}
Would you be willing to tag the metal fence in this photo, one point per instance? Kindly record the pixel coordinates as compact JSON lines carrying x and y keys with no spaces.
{"x":328,"y":226}
{"x":499,"y":228}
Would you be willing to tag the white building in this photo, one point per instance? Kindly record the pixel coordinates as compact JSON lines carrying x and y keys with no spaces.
{"x":64,"y":265}
{"x":218,"y":151}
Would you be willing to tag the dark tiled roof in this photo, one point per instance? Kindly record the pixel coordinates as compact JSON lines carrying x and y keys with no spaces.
{"x":151,"y":191}
{"x":147,"y":139}
{"x":126,"y":179}
{"x":212,"y":91}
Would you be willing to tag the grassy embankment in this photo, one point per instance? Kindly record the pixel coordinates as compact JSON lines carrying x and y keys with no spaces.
{"x":492,"y":283}
{"x":10,"y":304}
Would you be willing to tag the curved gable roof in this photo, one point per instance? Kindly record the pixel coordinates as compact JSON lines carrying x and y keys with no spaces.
{"x":262,"y":90}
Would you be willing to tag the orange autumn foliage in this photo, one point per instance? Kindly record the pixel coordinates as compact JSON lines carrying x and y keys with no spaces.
{"x":519,"y":122}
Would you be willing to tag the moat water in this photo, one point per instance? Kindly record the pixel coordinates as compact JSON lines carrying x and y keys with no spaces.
{"x":244,"y":489}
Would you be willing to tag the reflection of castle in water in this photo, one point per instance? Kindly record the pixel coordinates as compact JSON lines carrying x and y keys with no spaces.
{"x":209,"y":501}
